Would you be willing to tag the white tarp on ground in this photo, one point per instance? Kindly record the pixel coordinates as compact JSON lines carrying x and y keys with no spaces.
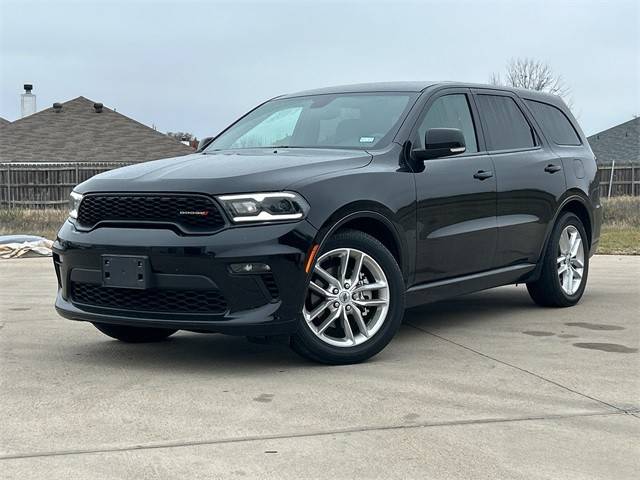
{"x":14,"y":246}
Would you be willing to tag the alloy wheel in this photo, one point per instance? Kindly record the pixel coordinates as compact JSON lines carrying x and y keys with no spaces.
{"x":347,"y":299}
{"x":570,"y":260}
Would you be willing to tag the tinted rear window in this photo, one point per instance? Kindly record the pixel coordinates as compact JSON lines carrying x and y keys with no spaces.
{"x":554,"y":123}
{"x":507,"y":128}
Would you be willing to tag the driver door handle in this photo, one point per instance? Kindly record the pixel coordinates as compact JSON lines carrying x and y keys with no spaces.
{"x":551,"y":168}
{"x":483,"y":174}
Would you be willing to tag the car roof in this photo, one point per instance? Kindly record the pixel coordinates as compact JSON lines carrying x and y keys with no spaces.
{"x":419,"y":86}
{"x":365,"y":87}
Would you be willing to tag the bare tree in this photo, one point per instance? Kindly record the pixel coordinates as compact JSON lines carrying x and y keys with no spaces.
{"x":182,"y":136}
{"x":533,"y":75}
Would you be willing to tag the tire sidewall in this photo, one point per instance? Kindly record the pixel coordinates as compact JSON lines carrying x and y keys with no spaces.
{"x":332,"y":354}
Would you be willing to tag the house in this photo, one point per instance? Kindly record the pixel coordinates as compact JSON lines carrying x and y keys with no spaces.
{"x":3,"y":122}
{"x":620,"y":144}
{"x":82,"y":130}
{"x":618,"y":152}
{"x":44,"y":154}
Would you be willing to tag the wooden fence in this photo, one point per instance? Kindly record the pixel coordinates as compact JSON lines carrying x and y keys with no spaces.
{"x":47,"y":185}
{"x":625,"y":181}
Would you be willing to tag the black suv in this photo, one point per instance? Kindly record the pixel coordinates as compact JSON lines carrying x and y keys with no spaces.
{"x":319,"y":216}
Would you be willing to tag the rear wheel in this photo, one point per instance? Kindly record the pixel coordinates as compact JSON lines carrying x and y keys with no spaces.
{"x":565,"y":265}
{"x":134,"y":334}
{"x":354,"y":303}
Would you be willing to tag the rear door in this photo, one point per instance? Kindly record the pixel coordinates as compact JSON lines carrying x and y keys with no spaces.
{"x":456,"y":205}
{"x":530,"y":179}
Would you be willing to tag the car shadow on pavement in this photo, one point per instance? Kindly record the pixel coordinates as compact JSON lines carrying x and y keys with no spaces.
{"x":193,"y":352}
{"x":188,"y":352}
{"x":474,"y":308}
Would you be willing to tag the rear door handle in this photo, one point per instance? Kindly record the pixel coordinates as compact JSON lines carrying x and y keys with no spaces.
{"x":482,"y":174}
{"x":552,"y":168}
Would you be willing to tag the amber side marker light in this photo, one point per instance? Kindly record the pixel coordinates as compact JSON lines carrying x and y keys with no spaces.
{"x":310,"y":258}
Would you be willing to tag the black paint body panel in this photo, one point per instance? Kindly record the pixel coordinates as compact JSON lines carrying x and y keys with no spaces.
{"x":452,"y":233}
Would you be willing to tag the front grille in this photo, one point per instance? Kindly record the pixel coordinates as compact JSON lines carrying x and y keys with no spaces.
{"x":152,"y":300}
{"x":191,"y":213}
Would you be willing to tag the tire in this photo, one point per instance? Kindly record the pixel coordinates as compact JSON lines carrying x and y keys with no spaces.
{"x":373,"y":315}
{"x":548,"y":290}
{"x":134,"y":334}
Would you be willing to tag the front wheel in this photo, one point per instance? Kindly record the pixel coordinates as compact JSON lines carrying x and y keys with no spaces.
{"x":565,"y":265}
{"x":354,"y":303}
{"x":134,"y":334}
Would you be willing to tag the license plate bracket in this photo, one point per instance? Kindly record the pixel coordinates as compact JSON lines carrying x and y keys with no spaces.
{"x":126,"y":271}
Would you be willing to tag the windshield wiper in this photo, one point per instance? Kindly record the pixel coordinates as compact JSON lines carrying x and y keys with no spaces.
{"x":252,"y":148}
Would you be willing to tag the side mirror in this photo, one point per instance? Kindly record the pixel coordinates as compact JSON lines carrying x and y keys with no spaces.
{"x":441,"y":142}
{"x":204,"y":143}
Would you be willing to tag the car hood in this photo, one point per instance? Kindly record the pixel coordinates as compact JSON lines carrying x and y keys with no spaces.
{"x":226,"y":172}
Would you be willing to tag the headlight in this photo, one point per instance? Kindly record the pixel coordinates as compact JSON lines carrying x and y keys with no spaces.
{"x":265,"y":207}
{"x":74,"y":203}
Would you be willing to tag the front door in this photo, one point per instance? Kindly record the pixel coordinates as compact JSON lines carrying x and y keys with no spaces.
{"x":456,"y":196}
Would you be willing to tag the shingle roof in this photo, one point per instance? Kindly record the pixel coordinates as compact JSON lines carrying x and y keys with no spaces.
{"x":78,"y":134}
{"x":4,"y":122}
{"x":620,"y":143}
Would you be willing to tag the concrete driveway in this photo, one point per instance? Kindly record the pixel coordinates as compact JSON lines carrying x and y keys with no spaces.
{"x":484,"y":386}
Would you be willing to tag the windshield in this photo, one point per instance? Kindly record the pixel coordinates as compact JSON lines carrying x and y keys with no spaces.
{"x":349,"y":120}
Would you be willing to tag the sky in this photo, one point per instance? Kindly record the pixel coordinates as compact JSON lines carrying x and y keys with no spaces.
{"x":196,"y":66}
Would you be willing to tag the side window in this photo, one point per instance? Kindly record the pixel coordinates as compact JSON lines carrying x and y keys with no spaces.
{"x":450,"y":111}
{"x":274,"y":130}
{"x":507,"y":127}
{"x":554,"y":123}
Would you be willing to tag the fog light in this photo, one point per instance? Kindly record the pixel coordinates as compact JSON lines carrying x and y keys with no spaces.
{"x":249,"y":268}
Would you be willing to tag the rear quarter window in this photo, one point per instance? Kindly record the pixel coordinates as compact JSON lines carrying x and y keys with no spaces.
{"x":554,"y":123}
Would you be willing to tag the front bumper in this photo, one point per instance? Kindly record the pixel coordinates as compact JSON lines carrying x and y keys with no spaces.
{"x":191,"y":267}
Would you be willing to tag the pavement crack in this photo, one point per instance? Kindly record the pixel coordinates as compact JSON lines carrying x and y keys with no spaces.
{"x":524,"y":370}
{"x":285,"y":436}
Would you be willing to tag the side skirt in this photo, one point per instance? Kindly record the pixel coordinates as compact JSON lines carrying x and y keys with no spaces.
{"x":452,"y":287}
